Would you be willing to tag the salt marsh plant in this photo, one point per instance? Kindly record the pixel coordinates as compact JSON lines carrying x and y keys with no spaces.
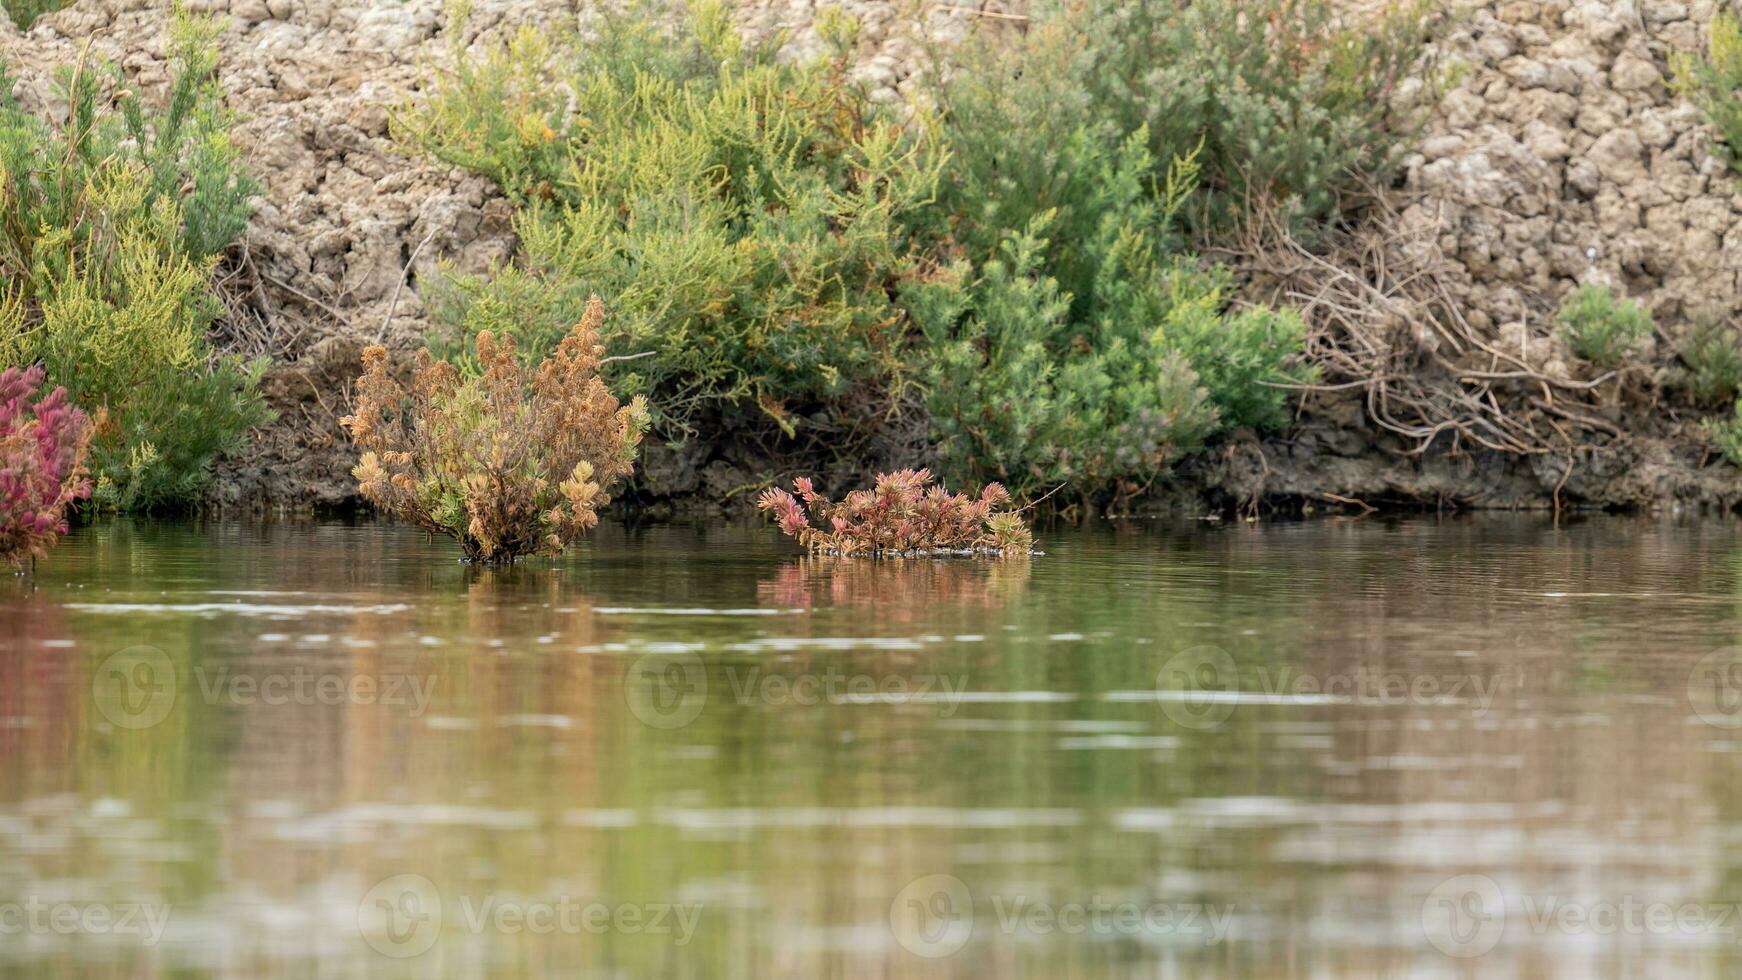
{"x":110,"y":224}
{"x":1711,"y":370}
{"x":1011,"y":268}
{"x":904,"y":514}
{"x":43,"y":442}
{"x":506,"y":466}
{"x":1291,"y":101}
{"x":1601,"y":328}
{"x":1713,"y":82}
{"x":1726,"y":434}
{"x":742,"y":215}
{"x":1075,"y":338}
{"x":25,"y":12}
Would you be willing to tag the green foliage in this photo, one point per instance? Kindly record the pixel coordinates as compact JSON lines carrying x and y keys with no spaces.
{"x":1600,"y":328}
{"x":1714,"y":82}
{"x":25,"y":12}
{"x":1020,"y":395}
{"x":109,"y":228}
{"x":1240,"y":357}
{"x":742,"y":215}
{"x":1090,"y":347}
{"x":1713,"y":359}
{"x":1287,"y":101}
{"x":765,"y":235}
{"x":1726,"y":434}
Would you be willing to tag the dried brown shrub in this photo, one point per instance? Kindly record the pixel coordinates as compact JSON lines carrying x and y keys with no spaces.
{"x":505,"y":468}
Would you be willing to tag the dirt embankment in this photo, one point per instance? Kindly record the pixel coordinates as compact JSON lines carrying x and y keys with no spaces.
{"x":1560,"y":157}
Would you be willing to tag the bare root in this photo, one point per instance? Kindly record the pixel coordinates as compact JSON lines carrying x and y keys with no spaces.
{"x":1383,"y":319}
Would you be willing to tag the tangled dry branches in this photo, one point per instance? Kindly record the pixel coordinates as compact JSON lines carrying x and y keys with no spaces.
{"x":1384,"y":320}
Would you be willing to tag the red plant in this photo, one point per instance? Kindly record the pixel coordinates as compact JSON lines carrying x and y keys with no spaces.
{"x":42,"y":464}
{"x":903,"y":515}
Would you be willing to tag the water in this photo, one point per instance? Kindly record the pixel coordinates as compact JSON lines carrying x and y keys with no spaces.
{"x":1463,"y":748}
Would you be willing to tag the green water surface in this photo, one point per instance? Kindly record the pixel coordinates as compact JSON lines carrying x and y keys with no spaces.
{"x":1470,"y":747}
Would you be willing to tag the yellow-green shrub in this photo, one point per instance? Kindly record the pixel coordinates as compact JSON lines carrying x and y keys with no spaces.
{"x":109,"y":225}
{"x":1076,"y":339}
{"x":1714,"y":82}
{"x":25,"y":12}
{"x":1711,"y":364}
{"x":1602,"y":328}
{"x":742,"y":216}
{"x":1726,"y":434}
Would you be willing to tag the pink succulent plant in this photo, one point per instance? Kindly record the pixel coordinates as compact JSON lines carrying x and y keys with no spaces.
{"x":903,"y":514}
{"x":42,"y":464}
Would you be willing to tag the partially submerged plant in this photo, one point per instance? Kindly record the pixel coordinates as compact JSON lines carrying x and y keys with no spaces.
{"x":903,"y":515}
{"x":42,"y":464}
{"x":505,"y":469}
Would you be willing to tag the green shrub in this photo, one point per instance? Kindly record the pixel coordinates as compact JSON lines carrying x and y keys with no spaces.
{"x":1713,"y":365}
{"x":1600,"y":328}
{"x":1714,"y":82}
{"x":767,"y":236}
{"x":742,"y":216}
{"x":25,"y":12}
{"x":1016,"y":395}
{"x":109,"y":229}
{"x":1726,"y":434}
{"x":1288,"y":101}
{"x":1089,"y":347}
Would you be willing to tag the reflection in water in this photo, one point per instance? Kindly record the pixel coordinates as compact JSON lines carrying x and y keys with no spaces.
{"x":1416,"y":748}
{"x":903,"y":587}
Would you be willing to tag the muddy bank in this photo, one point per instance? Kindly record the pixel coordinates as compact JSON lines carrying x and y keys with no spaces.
{"x":1560,"y":157}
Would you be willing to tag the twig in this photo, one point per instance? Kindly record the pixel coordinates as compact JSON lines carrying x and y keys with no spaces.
{"x":627,"y":357}
{"x":991,"y":14}
{"x":1336,"y":498}
{"x":1382,"y":317}
{"x":1041,"y":499}
{"x":287,"y":287}
{"x":404,"y":273}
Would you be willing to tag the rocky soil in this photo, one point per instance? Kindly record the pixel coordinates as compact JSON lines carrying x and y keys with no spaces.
{"x":1561,"y":156}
